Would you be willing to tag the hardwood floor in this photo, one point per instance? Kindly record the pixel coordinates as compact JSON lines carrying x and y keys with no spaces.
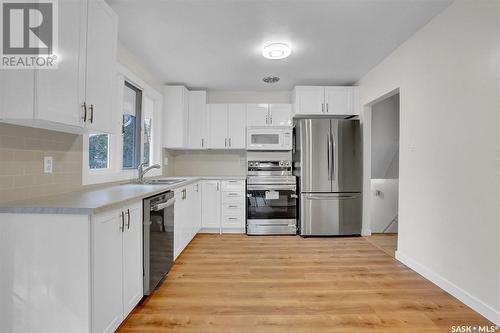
{"x":236,"y":283}
{"x":385,"y":242}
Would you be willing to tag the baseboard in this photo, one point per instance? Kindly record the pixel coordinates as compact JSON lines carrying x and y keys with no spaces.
{"x":471,"y":301}
{"x":366,"y":232}
{"x":224,"y":231}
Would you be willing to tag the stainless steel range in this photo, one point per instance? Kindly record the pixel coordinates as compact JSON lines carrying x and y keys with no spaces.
{"x":271,"y":197}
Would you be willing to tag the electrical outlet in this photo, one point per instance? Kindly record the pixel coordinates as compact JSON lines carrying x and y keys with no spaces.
{"x":165,"y":161}
{"x":47,"y":164}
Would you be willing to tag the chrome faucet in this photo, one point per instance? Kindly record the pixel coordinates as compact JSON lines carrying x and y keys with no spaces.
{"x":142,"y":171}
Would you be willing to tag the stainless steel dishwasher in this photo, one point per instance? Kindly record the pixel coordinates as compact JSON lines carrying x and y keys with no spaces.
{"x":158,"y":236}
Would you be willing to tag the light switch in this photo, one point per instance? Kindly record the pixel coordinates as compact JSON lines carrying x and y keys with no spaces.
{"x":47,"y":164}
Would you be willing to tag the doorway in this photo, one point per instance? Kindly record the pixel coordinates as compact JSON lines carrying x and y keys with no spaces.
{"x":384,"y":179}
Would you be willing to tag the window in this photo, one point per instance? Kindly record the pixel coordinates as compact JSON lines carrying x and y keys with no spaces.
{"x":98,"y":151}
{"x":131,"y":126}
{"x":148,"y":131}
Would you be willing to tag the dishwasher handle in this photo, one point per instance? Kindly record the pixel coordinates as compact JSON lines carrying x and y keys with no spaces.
{"x":163,"y":205}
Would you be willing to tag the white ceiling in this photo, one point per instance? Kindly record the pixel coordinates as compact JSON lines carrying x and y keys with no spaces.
{"x":216,"y":44}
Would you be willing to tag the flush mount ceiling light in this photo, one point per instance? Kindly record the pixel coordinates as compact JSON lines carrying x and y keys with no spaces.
{"x":271,"y":79}
{"x":276,"y":51}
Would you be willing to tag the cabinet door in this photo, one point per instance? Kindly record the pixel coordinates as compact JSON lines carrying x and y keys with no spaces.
{"x":257,"y":115}
{"x":61,"y":92}
{"x":280,"y":114}
{"x":17,"y":94}
{"x":196,"y":208}
{"x":237,"y":126}
{"x":175,"y":116}
{"x":211,"y":205}
{"x":218,"y":126}
{"x":132,"y":258}
{"x":338,"y":100}
{"x":107,"y":292}
{"x":179,"y":221}
{"x":102,"y":37}
{"x":309,"y":100}
{"x":197,"y":119}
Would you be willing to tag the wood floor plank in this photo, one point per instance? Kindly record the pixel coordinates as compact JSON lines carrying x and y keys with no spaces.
{"x":236,"y":283}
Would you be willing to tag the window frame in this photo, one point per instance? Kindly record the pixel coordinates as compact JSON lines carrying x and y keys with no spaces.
{"x":115,"y":172}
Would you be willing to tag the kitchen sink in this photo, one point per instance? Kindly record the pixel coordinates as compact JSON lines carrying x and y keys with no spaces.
{"x":158,"y":182}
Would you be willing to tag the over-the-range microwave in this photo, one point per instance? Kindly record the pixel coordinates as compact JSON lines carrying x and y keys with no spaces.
{"x":265,"y":138}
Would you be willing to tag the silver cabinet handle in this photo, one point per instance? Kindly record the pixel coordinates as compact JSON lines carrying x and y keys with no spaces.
{"x":123,"y":222}
{"x":327,"y":107}
{"x":232,"y":206}
{"x":202,"y":143}
{"x":229,"y":142}
{"x":128,"y":219}
{"x":84,"y":106}
{"x":271,"y":120}
{"x":232,"y":218}
{"x":322,"y":107}
{"x":225,"y":142}
{"x":217,"y":186}
{"x":267,"y":120}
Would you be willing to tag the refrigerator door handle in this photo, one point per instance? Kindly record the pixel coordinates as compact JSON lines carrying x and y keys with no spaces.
{"x":329,"y":197}
{"x":333,"y":148}
{"x":328,"y":156}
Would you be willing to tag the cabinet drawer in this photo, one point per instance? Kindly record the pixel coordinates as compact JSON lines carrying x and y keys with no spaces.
{"x":233,"y":185}
{"x":233,"y":222}
{"x":233,"y":197}
{"x":232,"y":209}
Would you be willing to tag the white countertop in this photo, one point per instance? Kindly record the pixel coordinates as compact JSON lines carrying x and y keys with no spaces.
{"x":89,"y":202}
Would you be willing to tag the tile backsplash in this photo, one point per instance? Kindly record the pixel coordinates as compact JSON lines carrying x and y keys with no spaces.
{"x":22,"y":150}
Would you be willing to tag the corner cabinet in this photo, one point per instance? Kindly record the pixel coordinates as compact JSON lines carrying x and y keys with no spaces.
{"x":327,"y":101}
{"x":78,"y":95}
{"x":84,"y":273}
{"x":227,"y":126}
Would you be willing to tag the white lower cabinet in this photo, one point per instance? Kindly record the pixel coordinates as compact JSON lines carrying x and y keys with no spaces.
{"x":187,"y":216}
{"x":117,"y":278}
{"x":223,"y":206}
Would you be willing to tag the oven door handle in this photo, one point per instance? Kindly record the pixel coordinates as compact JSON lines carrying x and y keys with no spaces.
{"x":271,"y":187}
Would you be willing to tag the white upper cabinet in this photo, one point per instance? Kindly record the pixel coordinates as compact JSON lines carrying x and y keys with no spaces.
{"x":218,"y":126}
{"x":80,"y":93}
{"x":280,"y":114}
{"x":317,"y":100}
{"x":102,"y":39}
{"x":269,"y":115}
{"x":236,"y":129}
{"x":197,"y":123}
{"x":227,"y":126}
{"x":257,"y":115}
{"x":61,"y":92}
{"x":175,"y":116}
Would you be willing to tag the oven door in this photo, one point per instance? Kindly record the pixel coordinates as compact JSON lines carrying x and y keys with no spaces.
{"x":271,"y":209}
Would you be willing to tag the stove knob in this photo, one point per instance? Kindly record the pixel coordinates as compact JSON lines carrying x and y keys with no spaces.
{"x":282,"y":163}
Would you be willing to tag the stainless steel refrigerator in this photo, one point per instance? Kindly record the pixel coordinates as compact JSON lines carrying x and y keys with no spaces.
{"x":328,"y":161}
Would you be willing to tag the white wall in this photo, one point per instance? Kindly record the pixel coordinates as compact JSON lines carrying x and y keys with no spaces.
{"x":385,"y":138}
{"x":383,"y":207}
{"x":209,"y":163}
{"x":448,"y":79}
{"x":249,"y":97}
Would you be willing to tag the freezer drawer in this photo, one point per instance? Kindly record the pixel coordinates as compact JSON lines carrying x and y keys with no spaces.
{"x":330,"y":214}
